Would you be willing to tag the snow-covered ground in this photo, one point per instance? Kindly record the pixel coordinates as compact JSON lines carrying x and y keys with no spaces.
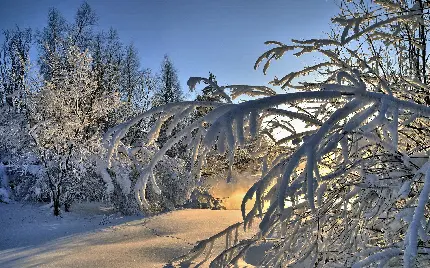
{"x":92,"y":236}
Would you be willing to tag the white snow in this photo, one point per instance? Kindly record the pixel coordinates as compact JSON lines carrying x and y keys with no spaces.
{"x":91,"y":236}
{"x":30,"y":225}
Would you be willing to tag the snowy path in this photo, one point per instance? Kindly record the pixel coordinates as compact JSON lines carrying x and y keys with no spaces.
{"x":39,"y":241}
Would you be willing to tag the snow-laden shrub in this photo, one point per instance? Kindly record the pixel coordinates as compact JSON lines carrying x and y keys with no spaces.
{"x":175,"y":182}
{"x":18,"y":155}
{"x":29,"y":183}
{"x":346,"y":189}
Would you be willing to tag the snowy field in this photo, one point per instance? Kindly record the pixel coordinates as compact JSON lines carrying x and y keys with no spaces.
{"x":92,"y":235}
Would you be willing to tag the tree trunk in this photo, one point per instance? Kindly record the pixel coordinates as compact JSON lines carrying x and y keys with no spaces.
{"x":56,"y":199}
{"x":56,"y":193}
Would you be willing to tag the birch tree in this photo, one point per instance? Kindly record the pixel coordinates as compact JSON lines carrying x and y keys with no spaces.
{"x":66,"y":116}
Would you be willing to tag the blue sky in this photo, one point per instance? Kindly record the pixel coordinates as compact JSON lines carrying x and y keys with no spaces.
{"x":223,"y":36}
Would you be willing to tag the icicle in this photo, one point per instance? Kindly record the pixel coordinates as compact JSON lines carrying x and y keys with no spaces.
{"x":229,"y":136}
{"x":195,"y":146}
{"x":264,"y":224}
{"x":212,"y":134}
{"x":239,"y":129}
{"x":199,"y":166}
{"x":253,"y":125}
{"x":259,"y":199}
{"x":230,"y":165}
{"x":247,"y":223}
{"x":221,"y":142}
{"x":379,"y":119}
{"x":140,"y":192}
{"x":209,"y":251}
{"x":248,"y":196}
{"x":285,"y":182}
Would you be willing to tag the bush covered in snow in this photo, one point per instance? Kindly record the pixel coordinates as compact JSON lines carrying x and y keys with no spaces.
{"x":122,"y":177}
{"x":348,"y":189}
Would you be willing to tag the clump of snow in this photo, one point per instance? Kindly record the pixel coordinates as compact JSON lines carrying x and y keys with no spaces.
{"x":4,"y":184}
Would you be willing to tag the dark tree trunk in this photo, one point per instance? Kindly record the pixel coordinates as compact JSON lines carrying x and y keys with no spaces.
{"x":56,"y":194}
{"x":56,"y":199}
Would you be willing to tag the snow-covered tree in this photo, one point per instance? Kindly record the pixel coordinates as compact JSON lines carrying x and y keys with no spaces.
{"x":58,"y":35}
{"x":19,"y":156}
{"x":14,"y":68}
{"x":52,"y":40}
{"x":351,"y":186}
{"x":168,"y":91}
{"x":107,"y":55}
{"x":16,"y":147}
{"x":130,"y":73}
{"x":66,"y":116}
{"x":208,"y":94}
{"x":147,"y":85}
{"x":169,"y":88}
{"x":81,"y":31}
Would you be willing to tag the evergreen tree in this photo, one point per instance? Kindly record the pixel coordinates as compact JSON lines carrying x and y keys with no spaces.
{"x":169,"y":88}
{"x":107,"y":54}
{"x":14,"y":67}
{"x":81,"y":31}
{"x":130,"y":73}
{"x":168,"y":91}
{"x":208,"y":94}
{"x":146,"y":87}
{"x":52,"y":42}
